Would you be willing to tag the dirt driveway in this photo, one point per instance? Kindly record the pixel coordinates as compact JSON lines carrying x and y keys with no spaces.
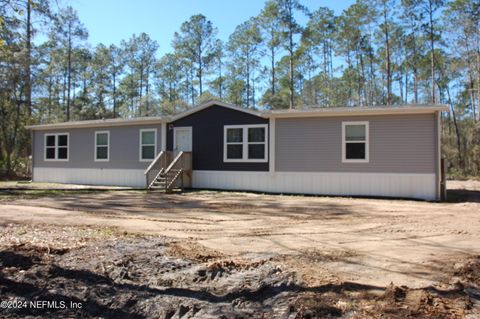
{"x":374,"y":242}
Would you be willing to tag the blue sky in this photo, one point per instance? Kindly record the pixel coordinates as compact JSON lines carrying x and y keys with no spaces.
{"x":110,"y":21}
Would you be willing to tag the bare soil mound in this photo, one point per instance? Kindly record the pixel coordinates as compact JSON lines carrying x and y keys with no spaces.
{"x":157,"y":277}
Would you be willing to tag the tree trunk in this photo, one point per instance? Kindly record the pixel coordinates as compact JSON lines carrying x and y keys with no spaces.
{"x":50,"y":86}
{"x":387,"y":47}
{"x":132,"y":92}
{"x":220,"y":79}
{"x":363,"y":99}
{"x":471,"y":86}
{"x":457,"y":133}
{"x":69,"y":76}
{"x":28,"y":82}
{"x":292,"y":92}
{"x":192,"y":89}
{"x":372,"y":79}
{"x":359,"y":86}
{"x":200,"y":68}
{"x":140,"y":92}
{"x":290,"y":51}
{"x":272,"y":50}
{"x":475,"y":114}
{"x":253,"y":90}
{"x":248,"y":80}
{"x":330,"y":72}
{"x":406,"y":86}
{"x":350,"y":90}
{"x":415,"y":71}
{"x":147,"y":106}
{"x":432,"y":48}
{"x":114,"y":96}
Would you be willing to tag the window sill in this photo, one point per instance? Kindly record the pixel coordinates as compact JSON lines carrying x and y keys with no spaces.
{"x":347,"y":161}
{"x":245,"y":161}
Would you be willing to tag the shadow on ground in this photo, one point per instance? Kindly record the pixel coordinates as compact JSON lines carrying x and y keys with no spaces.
{"x":463,"y":195}
{"x":192,"y":204}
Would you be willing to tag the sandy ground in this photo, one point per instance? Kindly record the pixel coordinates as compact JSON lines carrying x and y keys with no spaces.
{"x":27,"y":185}
{"x":373,"y":242}
{"x":383,"y":241}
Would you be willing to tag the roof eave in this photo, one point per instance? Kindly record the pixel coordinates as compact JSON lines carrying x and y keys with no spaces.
{"x":212,"y":103}
{"x":358,"y":112}
{"x":67,"y":125}
{"x":263,"y":114}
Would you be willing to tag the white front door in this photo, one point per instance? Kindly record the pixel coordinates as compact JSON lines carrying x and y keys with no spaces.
{"x":182,"y":139}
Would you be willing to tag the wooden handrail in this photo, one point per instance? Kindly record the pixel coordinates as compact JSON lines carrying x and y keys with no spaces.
{"x":155,"y":160}
{"x":174,"y":178}
{"x":179,"y":168}
{"x":174,"y":162}
{"x":150,"y":183}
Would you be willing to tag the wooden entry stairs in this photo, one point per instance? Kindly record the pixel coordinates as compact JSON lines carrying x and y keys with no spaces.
{"x":168,"y":172}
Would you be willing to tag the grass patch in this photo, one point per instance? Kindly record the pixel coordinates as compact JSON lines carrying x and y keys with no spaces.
{"x":460,"y":177}
{"x":12,"y":194}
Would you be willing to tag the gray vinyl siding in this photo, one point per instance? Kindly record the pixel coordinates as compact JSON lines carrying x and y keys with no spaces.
{"x":124,"y":147}
{"x":398,"y":144}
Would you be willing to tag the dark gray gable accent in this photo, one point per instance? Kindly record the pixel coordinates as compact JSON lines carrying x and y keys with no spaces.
{"x":207,"y":140}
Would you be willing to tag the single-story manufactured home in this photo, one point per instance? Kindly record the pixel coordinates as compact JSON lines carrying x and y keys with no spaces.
{"x":358,"y":151}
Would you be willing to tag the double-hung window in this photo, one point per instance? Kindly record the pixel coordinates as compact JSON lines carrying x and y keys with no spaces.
{"x":355,"y":142}
{"x":102,"y":146}
{"x":56,"y":147}
{"x":245,"y":143}
{"x":148,"y":144}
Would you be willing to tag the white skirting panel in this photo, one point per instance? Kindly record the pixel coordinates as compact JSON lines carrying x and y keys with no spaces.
{"x":419,"y":186}
{"x":90,"y":176}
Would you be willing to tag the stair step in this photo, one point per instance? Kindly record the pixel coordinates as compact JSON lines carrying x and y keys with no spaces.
{"x":163,"y":190}
{"x":157,"y":187}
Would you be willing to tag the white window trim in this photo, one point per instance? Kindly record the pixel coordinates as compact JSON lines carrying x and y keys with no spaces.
{"x":140,"y":144}
{"x":367,"y":142}
{"x":56,"y":159}
{"x":245,"y":144}
{"x":108,"y":147}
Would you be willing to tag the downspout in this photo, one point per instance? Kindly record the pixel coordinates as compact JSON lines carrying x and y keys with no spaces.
{"x":439,"y":155}
{"x":271,"y":146}
{"x":32,"y":135}
{"x":164,"y":137}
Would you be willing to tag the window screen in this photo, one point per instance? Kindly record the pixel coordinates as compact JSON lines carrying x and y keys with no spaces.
{"x":355,"y":142}
{"x":56,"y":147}
{"x":246,"y":143}
{"x":147,"y":147}
{"x":102,"y":141}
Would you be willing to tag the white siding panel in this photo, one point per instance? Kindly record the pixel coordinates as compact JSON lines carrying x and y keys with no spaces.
{"x":420,"y":186}
{"x":90,"y":176}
